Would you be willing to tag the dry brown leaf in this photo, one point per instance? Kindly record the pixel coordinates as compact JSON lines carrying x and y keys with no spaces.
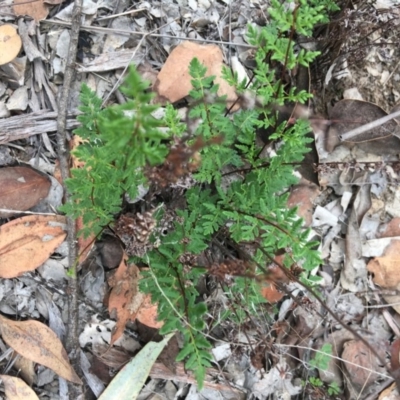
{"x":386,"y":272}
{"x":10,"y":43}
{"x":36,"y":9}
{"x":126,"y":301}
{"x":22,"y":188}
{"x":57,"y":172}
{"x":84,"y":244}
{"x":17,"y":389}
{"x":25,"y":368}
{"x":173,"y":81}
{"x":271,"y":293}
{"x":386,"y":268}
{"x":391,"y":229}
{"x":73,"y":144}
{"x":303,"y":196}
{"x":38,"y":343}
{"x":147,"y":314}
{"x":27,"y":242}
{"x":358,"y":355}
{"x":124,"y":292}
{"x":391,"y":393}
{"x":114,"y":357}
{"x":350,"y":114}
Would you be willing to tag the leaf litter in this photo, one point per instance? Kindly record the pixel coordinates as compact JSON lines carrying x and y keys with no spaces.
{"x":359,"y":200}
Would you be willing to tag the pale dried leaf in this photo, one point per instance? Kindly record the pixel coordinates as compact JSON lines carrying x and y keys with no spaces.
{"x":18,"y":101}
{"x":38,"y":343}
{"x":275,"y":382}
{"x":22,"y":188}
{"x":10,"y":43}
{"x":354,"y":272}
{"x":110,"y":61}
{"x":27,"y":242}
{"x":16,"y":389}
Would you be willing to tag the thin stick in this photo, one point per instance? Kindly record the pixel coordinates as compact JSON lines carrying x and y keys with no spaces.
{"x":6,"y":210}
{"x":367,"y":127}
{"x":121,"y":14}
{"x":72,"y":342}
{"x":127,"y":65}
{"x":121,"y":76}
{"x":126,"y":32}
{"x":334,"y":357}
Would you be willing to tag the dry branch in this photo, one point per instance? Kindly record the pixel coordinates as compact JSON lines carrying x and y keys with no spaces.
{"x":36,"y":123}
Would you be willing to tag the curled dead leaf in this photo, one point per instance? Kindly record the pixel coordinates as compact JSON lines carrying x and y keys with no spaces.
{"x":126,"y":302}
{"x":10,"y":43}
{"x":38,"y":343}
{"x":27,"y":242}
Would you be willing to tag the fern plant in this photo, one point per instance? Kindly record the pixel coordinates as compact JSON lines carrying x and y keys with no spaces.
{"x":121,"y":142}
{"x":118,"y":142}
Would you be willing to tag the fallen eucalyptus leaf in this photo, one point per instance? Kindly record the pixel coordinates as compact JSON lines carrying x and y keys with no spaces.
{"x":16,"y":389}
{"x":38,"y":343}
{"x":27,"y":242}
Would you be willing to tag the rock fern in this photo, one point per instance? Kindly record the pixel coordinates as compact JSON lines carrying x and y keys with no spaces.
{"x":237,"y":194}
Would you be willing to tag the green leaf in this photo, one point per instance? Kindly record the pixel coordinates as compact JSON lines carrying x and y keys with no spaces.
{"x":130,"y":380}
{"x":184,"y":352}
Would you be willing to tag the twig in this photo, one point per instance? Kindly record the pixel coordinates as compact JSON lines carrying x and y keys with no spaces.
{"x":6,"y":210}
{"x":367,"y":127}
{"x":391,"y":74}
{"x":133,"y":55}
{"x":334,"y":357}
{"x":121,"y":14}
{"x":72,"y":342}
{"x":123,"y":72}
{"x":126,"y":32}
